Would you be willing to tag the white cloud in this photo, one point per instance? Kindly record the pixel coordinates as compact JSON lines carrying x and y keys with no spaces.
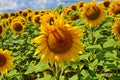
{"x":22,"y":4}
{"x":8,"y":5}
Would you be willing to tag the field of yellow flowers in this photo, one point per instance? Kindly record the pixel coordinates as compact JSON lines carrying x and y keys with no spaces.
{"x":76,"y":42}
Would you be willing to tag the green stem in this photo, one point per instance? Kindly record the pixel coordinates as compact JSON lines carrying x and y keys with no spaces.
{"x":92,"y":37}
{"x":3,"y":77}
{"x":78,"y":70}
{"x":2,"y":40}
{"x":56,"y":71}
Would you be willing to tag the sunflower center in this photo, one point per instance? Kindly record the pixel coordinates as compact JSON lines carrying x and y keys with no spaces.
{"x":93,"y":13}
{"x":117,"y":9}
{"x":68,"y":12}
{"x":59,"y":41}
{"x":5,"y":15}
{"x":29,"y":18}
{"x":24,"y":14}
{"x":74,"y":7}
{"x":37,"y":19}
{"x":2,"y":60}
{"x":0,"y":29}
{"x":36,"y":12}
{"x":75,"y":17}
{"x":17,"y":26}
{"x":106,"y":3}
{"x":118,"y":30}
{"x":51,"y":21}
{"x":81,"y":4}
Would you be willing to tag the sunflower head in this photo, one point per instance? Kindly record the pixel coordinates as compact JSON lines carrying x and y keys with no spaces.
{"x":6,"y":61}
{"x":48,"y":18}
{"x":116,"y":29}
{"x":106,"y":3}
{"x":2,"y":29}
{"x":60,"y":41}
{"x":36,"y":20}
{"x":17,"y":27}
{"x":93,"y":14}
{"x":67,"y":11}
{"x":74,"y":17}
{"x":73,"y":7}
{"x":80,"y":5}
{"x":20,"y":12}
{"x":28,"y":10}
{"x":16,"y":14}
{"x":114,"y":8}
{"x":12,"y":14}
{"x":36,"y":12}
{"x":29,"y":17}
{"x":5,"y":15}
{"x":24,"y":13}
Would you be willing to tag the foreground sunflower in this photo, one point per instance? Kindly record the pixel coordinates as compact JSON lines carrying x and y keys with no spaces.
{"x":116,"y":29}
{"x":93,"y":13}
{"x":59,"y":42}
{"x":6,"y":61}
{"x":2,"y":30}
{"x":17,"y":27}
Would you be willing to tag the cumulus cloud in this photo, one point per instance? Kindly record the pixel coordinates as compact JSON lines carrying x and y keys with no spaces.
{"x":8,"y":4}
{"x":14,"y":5}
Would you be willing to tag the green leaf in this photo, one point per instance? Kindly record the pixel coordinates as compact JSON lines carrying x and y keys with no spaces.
{"x":109,"y":43}
{"x":93,"y":65}
{"x":75,"y":77}
{"x":37,"y":68}
{"x":47,"y":77}
{"x":84,"y":56}
{"x":94,"y":47}
{"x":1,"y":77}
{"x":12,"y":73}
{"x":62,"y":78}
{"x":41,"y":67}
{"x":110,"y":55}
{"x":114,"y":77}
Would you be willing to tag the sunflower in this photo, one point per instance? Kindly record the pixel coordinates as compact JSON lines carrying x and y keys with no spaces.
{"x":73,"y":7}
{"x":12,"y":14}
{"x":36,"y":20}
{"x":29,"y":17}
{"x":106,"y":3}
{"x":67,"y":11}
{"x":59,"y":42}
{"x":16,"y":14}
{"x":2,"y":30}
{"x":28,"y":10}
{"x":116,"y":29}
{"x":74,"y":17}
{"x":5,"y":15}
{"x":24,"y":14}
{"x":48,"y":18}
{"x":114,"y":8}
{"x":6,"y":61}
{"x":17,"y":27}
{"x":36,"y":12}
{"x":93,"y":13}
{"x":20,"y":12}
{"x":80,"y":5}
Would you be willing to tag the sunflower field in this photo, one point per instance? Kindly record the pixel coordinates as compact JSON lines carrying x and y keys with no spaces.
{"x":76,"y":42}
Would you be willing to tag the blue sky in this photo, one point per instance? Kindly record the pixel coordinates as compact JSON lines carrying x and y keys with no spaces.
{"x":14,"y":5}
